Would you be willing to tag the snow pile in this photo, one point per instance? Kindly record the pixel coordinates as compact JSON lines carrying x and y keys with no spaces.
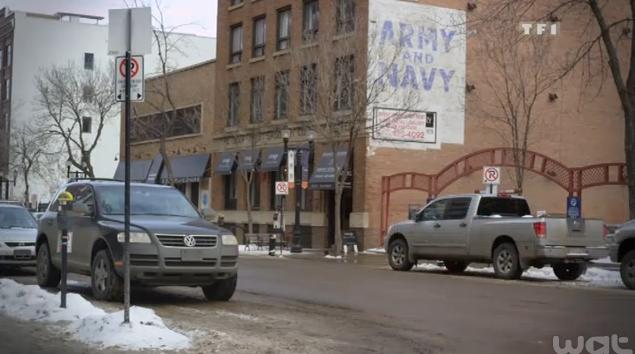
{"x":328,"y":256}
{"x":375,"y":251}
{"x":254,"y":250}
{"x":87,"y":323}
{"x":595,"y":277}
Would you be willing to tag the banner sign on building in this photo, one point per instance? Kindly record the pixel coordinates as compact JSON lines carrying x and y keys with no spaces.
{"x":417,"y":63}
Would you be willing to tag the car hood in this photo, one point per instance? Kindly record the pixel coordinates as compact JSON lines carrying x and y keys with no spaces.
{"x":18,"y":235}
{"x":166,"y":225}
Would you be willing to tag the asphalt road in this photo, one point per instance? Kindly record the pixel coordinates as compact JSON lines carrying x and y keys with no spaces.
{"x":298,"y":305}
{"x":463,"y":314}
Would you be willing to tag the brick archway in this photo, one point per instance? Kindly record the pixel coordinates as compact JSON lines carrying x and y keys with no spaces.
{"x":573,"y":180}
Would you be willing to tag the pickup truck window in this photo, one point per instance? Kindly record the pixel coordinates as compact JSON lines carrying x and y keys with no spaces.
{"x":434,"y":211}
{"x":489,"y":206}
{"x":456,"y":208}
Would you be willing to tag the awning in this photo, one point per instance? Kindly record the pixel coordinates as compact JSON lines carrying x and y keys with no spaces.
{"x":248,"y":160}
{"x":188,"y":168}
{"x":324,"y":175}
{"x":155,"y":169}
{"x":271,"y":159}
{"x":138,"y":170}
{"x":226,"y":163}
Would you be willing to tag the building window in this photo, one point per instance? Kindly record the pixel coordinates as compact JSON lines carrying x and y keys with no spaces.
{"x":254,"y":190}
{"x":236,"y":44}
{"x":235,"y":2}
{"x":260,"y":28}
{"x":89,"y":61}
{"x":282,"y":95}
{"x":234,"y":104}
{"x":7,"y":89}
{"x":345,"y":16}
{"x":311,"y":16}
{"x":257,"y":93}
{"x":182,"y":122}
{"x":344,"y":72}
{"x":308,"y":89}
{"x":9,"y":55}
{"x":230,"y":191}
{"x":284,"y":29}
{"x":87,"y":123}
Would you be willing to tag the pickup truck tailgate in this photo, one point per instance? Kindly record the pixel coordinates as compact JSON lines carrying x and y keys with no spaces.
{"x":581,"y":233}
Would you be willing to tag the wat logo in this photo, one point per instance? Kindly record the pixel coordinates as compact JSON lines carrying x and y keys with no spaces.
{"x":417,"y":57}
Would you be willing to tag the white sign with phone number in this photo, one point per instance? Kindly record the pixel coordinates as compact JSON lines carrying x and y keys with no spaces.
{"x":396,"y":125}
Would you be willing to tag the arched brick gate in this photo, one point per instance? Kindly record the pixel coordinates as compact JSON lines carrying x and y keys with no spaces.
{"x":573,"y":180}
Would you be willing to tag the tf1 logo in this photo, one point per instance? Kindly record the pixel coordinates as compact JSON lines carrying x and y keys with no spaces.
{"x":539,"y":28}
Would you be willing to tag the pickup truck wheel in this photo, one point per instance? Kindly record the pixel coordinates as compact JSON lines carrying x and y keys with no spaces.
{"x":221,"y":290}
{"x":398,"y":255}
{"x":105,"y":282}
{"x":455,"y":266}
{"x":47,"y":275}
{"x":627,"y":270}
{"x":506,"y":262}
{"x":569,"y":271}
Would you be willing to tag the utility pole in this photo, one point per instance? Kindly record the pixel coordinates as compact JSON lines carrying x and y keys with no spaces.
{"x":126,"y":244}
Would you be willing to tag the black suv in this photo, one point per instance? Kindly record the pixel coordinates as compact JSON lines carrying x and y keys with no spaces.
{"x":171,"y":244}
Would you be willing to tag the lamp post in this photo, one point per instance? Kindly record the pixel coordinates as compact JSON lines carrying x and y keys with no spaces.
{"x":68,"y":168}
{"x":286,"y":133}
{"x":296,"y":246}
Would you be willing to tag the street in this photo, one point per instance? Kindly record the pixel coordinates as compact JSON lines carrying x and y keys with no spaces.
{"x":309,"y":304}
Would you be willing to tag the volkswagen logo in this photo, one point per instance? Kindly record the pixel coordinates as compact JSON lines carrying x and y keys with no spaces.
{"x":189,"y":241}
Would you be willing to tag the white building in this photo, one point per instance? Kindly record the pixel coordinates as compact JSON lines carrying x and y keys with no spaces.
{"x":31,"y":42}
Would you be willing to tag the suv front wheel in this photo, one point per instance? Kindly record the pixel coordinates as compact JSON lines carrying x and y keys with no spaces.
{"x":47,"y":275}
{"x":106,"y":284}
{"x":221,"y":290}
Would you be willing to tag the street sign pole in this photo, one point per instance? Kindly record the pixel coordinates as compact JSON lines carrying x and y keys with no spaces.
{"x":126,"y":253}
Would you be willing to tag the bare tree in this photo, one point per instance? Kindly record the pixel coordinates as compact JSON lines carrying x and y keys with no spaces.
{"x":160,"y":94}
{"x":32,"y":156}
{"x":520,"y":69}
{"x":70,"y":97}
{"x":607,"y":44}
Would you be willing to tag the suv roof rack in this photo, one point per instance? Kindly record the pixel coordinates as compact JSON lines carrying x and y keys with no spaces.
{"x":77,"y":179}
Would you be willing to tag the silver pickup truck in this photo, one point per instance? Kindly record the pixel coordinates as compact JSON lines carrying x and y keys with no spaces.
{"x":495,"y":229}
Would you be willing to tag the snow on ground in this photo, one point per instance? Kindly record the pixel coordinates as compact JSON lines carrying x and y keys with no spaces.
{"x":605,"y":260}
{"x":254,"y":250}
{"x":594,"y":277}
{"x":328,"y":256}
{"x":375,"y":251}
{"x":87,"y":323}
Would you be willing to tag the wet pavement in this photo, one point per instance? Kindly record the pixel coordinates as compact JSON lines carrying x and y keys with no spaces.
{"x":309,"y":304}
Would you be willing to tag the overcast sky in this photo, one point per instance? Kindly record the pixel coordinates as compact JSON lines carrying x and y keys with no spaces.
{"x":199,"y":14}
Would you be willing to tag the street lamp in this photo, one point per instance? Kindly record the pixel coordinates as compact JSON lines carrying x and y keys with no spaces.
{"x":286,"y":133}
{"x":296,"y":246}
{"x":68,"y":168}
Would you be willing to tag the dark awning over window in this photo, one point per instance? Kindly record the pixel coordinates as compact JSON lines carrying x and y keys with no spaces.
{"x":226,"y":163}
{"x":324,"y":175}
{"x":155,"y":169}
{"x":248,"y":160}
{"x":138,"y":170}
{"x":271,"y":159}
{"x":189,"y":168}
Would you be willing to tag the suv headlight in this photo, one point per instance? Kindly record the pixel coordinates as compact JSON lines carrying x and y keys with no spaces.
{"x":135,"y":237}
{"x":229,"y":240}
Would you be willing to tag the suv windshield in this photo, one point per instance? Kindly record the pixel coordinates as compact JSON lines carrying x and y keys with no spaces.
{"x":16,"y":217}
{"x":144,"y":200}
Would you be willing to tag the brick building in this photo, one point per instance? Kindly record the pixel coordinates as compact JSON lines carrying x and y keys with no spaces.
{"x":260,"y":87}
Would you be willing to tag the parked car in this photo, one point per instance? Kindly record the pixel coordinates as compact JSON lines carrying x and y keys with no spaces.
{"x":171,"y":244}
{"x":622,"y":249}
{"x":18,"y":231}
{"x":495,"y":229}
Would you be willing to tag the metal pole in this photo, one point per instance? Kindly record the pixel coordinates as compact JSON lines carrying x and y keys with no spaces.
{"x":284,"y":197}
{"x":296,"y":247}
{"x":6,"y":188}
{"x":64,"y":264}
{"x":126,"y":254}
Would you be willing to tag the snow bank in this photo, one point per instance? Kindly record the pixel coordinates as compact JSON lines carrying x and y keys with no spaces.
{"x":253,"y":250}
{"x":328,"y":256}
{"x":375,"y":251}
{"x":594,"y":277}
{"x":87,"y":323}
